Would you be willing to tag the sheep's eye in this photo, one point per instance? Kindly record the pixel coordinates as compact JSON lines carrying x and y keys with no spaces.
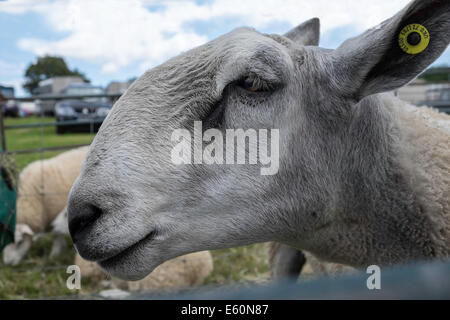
{"x":254,"y":84}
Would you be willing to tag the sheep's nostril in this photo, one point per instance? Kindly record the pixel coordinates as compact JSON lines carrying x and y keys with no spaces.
{"x":82,"y":218}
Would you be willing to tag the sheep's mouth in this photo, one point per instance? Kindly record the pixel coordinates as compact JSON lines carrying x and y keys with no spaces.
{"x":129,"y":250}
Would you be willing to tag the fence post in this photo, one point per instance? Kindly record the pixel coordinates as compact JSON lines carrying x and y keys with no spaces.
{"x":2,"y":132}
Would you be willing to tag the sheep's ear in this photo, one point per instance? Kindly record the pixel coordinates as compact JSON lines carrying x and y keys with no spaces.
{"x":306,"y":34}
{"x":392,"y":54}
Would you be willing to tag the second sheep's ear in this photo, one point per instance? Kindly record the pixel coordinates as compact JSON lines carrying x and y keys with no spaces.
{"x":306,"y":34}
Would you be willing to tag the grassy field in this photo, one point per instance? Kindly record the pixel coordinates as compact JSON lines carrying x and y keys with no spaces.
{"x":39,"y":137}
{"x":37,"y":276}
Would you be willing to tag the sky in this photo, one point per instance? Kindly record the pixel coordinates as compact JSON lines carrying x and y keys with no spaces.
{"x":115,"y":40}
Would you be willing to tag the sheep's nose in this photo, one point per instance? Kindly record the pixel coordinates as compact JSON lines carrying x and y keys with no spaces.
{"x":80,"y":218}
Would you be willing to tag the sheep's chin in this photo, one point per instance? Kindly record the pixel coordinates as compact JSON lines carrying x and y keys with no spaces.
{"x":134,"y":263}
{"x":130,"y":268}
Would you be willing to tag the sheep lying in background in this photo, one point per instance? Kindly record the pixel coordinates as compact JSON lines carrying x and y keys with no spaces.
{"x":181,"y":272}
{"x":44,"y":186}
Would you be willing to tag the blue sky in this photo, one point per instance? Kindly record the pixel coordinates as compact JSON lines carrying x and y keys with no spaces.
{"x":116,"y":40}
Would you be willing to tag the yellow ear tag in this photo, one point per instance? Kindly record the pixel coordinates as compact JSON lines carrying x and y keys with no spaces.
{"x":414,"y":38}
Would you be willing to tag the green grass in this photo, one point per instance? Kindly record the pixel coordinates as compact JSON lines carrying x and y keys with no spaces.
{"x":241,"y":264}
{"x":38,"y":276}
{"x":39,"y":137}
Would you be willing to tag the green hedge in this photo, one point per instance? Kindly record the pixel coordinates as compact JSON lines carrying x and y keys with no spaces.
{"x":8,"y":195}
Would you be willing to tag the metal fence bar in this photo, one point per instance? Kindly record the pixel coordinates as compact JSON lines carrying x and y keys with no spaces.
{"x":62,"y":97}
{"x":414,"y":281}
{"x":71,"y":146}
{"x":50,"y":124}
{"x":2,"y":132}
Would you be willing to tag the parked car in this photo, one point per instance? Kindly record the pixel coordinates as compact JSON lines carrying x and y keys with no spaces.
{"x":85,"y":114}
{"x":11,"y":109}
{"x":443,"y":104}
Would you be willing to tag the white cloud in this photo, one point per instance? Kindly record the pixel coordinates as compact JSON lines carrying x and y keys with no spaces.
{"x":117,"y":33}
{"x":113,"y":33}
{"x":10,"y":70}
{"x":22,"y":6}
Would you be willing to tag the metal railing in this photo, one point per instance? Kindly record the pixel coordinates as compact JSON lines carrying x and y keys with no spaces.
{"x":59,"y":97}
{"x":415,"y":281}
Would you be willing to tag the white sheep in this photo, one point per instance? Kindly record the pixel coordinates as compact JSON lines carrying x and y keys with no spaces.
{"x":44,"y":186}
{"x":181,"y":272}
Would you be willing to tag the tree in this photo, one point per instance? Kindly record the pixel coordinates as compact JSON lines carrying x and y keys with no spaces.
{"x":47,"y":67}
